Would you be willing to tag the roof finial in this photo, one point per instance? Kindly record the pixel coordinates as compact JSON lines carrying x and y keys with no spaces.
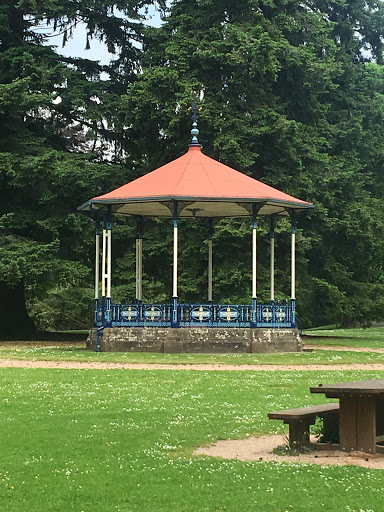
{"x":195,"y":132}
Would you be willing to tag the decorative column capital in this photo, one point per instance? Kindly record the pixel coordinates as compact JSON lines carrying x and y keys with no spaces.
{"x":293,"y":215}
{"x":256,"y":207}
{"x":175,"y":210}
{"x":108,"y":218}
{"x":139,"y":226}
{"x":210,"y":228}
{"x":272,"y":226}
{"x":175,"y":214}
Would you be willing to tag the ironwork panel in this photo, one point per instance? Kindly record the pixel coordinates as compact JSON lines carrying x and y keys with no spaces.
{"x":141,"y":315}
{"x":214,"y":315}
{"x":98,"y":321}
{"x":273,"y":315}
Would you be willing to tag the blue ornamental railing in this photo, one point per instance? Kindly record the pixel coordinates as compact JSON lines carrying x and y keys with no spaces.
{"x":214,"y":315}
{"x":141,"y":315}
{"x":273,"y":315}
{"x":276,"y":315}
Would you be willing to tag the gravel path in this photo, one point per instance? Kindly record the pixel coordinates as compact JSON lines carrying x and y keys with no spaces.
{"x":25,"y":363}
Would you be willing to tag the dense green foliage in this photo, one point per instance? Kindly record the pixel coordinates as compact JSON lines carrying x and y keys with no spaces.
{"x":290,"y":93}
{"x":59,"y":145}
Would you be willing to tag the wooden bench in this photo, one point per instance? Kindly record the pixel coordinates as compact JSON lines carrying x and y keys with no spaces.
{"x":300,"y":419}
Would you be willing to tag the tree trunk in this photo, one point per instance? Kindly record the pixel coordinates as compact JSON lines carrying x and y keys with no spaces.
{"x":15,"y":323}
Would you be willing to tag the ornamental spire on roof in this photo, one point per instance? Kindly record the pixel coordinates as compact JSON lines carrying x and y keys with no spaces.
{"x":195,"y":132}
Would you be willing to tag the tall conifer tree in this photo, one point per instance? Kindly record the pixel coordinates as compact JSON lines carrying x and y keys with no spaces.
{"x":60,"y":140}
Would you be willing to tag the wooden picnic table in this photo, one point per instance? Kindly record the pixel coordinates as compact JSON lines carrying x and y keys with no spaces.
{"x":361,"y":413}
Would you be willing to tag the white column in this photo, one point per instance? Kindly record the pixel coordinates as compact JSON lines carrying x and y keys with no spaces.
{"x":210,"y":268}
{"x":254,"y":266}
{"x":254,"y":260}
{"x":139,"y":258}
{"x":175,"y":248}
{"x":103,"y":262}
{"x":293,"y":264}
{"x":97,"y":262}
{"x":140,"y":269}
{"x":174,"y":318}
{"x":137,"y":269}
{"x":272,"y":271}
{"x":109,"y":261}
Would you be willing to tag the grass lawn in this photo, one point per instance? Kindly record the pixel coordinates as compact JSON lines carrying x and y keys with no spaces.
{"x":77,"y":352}
{"x":371,"y":337}
{"x":97,"y":440}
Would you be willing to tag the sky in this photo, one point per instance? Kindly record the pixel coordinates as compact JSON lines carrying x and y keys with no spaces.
{"x":76,"y":45}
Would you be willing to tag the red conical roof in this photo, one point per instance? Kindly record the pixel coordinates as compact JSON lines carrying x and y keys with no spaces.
{"x":203,"y":187}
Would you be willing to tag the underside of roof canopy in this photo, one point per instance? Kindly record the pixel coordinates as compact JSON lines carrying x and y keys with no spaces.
{"x":196,"y":186}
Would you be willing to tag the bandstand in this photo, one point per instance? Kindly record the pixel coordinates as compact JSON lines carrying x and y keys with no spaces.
{"x":192,"y":186}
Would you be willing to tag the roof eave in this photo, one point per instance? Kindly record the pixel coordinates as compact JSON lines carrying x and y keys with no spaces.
{"x":196,"y":199}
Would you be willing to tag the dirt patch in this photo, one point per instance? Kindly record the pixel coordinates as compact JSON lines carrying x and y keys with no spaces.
{"x":261,"y":448}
